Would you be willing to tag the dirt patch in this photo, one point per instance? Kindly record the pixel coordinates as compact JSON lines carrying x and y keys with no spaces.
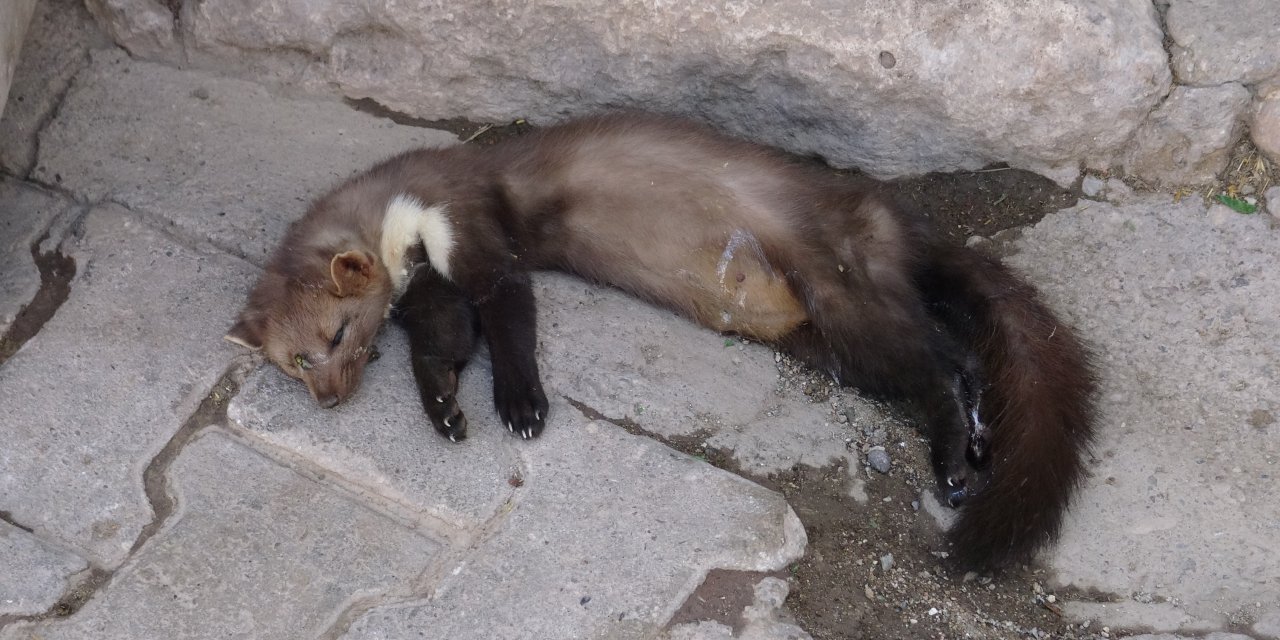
{"x":722,"y":597}
{"x":56,"y":272}
{"x":984,"y":202}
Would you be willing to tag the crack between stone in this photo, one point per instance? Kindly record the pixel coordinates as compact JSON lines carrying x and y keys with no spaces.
{"x":693,"y":444}
{"x":710,"y":579}
{"x":7,"y":517}
{"x":430,"y":578}
{"x":60,"y":99}
{"x":83,"y":586}
{"x":177,"y":233}
{"x":56,"y":273}
{"x":155,"y":478}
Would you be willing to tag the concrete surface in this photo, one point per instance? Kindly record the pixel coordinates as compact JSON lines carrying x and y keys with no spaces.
{"x":141,"y":514}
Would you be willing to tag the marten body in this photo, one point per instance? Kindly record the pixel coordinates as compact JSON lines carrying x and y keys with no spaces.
{"x":738,"y":237}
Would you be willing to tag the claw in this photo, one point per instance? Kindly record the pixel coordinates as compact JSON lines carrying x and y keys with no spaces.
{"x":510,"y":428}
{"x":439,"y":398}
{"x":527,"y":433}
{"x":453,"y":438}
{"x":537,"y":415}
{"x":446,"y":422}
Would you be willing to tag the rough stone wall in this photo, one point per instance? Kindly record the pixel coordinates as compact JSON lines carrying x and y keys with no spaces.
{"x":890,"y":87}
{"x":14,"y":16}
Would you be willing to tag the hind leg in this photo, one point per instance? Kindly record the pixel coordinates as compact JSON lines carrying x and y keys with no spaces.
{"x":874,"y":335}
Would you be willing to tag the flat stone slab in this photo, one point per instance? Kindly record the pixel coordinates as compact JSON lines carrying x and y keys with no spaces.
{"x":606,"y":535}
{"x":635,"y":362}
{"x":236,"y":160}
{"x":105,"y":384}
{"x":33,"y":574}
{"x":1180,"y":512}
{"x":381,"y":442}
{"x":255,"y":550}
{"x":26,"y":213}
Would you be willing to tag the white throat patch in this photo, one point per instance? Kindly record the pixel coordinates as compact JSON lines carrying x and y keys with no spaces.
{"x":408,"y":222}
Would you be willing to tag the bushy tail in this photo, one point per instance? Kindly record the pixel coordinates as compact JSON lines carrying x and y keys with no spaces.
{"x":1037,"y":404}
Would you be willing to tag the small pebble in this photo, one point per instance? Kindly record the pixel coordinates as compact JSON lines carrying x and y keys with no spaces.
{"x":1092,"y":186}
{"x":878,"y":459}
{"x":886,"y":562}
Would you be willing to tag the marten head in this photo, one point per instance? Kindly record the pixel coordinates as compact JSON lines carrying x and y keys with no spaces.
{"x":315,"y":313}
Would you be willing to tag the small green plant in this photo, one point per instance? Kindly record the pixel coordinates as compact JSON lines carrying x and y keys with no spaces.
{"x":1236,"y":204}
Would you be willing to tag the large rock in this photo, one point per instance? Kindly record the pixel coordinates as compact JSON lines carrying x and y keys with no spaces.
{"x":1216,"y":42}
{"x":14,"y":17}
{"x":891,"y":87}
{"x":144,"y":27}
{"x":58,"y":42}
{"x":1188,"y":140}
{"x":1265,"y":126}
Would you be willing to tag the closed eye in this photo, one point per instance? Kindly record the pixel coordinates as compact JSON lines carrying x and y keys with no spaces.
{"x":337,"y":337}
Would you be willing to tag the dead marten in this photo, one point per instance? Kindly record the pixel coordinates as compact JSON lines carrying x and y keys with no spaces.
{"x":739,"y":237}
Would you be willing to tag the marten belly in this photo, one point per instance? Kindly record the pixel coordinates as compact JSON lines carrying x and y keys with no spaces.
{"x":727,"y":284}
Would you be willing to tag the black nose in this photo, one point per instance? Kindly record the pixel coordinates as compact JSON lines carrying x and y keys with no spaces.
{"x":328,"y":401}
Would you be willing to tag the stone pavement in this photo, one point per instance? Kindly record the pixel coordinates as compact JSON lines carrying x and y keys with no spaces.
{"x":156,"y":482}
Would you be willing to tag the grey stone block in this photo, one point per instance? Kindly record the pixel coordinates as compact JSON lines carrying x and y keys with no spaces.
{"x":606,"y":536}
{"x":255,"y":550}
{"x":26,"y":213}
{"x":221,"y":159}
{"x":1181,"y":503}
{"x":109,"y":379}
{"x":33,"y":574}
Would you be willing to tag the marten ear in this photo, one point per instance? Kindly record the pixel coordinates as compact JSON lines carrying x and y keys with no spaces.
{"x":352,"y":272}
{"x":247,"y":331}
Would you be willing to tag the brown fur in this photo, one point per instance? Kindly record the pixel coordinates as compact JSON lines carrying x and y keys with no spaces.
{"x":738,"y":237}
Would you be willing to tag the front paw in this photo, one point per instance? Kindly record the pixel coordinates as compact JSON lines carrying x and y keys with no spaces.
{"x":522,"y":408}
{"x":446,"y":416}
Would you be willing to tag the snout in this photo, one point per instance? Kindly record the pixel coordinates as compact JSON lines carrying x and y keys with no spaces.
{"x":329,"y":400}
{"x":334,"y":389}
